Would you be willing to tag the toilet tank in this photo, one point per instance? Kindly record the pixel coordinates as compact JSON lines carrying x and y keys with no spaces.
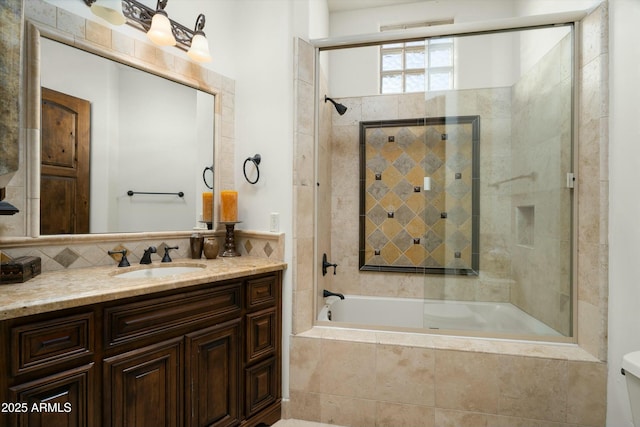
{"x":631,"y":366}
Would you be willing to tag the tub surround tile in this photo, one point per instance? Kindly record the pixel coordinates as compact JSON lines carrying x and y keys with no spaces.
{"x":347,"y":369}
{"x":304,"y":405}
{"x":533,"y":388}
{"x":585,"y":407}
{"x":303,"y":309}
{"x":348,"y":411}
{"x":390,"y":414}
{"x":467,"y":381}
{"x":407,"y":372}
{"x":444,"y":380}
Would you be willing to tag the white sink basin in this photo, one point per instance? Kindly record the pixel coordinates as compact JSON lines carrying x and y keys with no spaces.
{"x":158,"y":271}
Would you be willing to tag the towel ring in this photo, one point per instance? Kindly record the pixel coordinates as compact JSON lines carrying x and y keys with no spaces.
{"x":208,"y":168}
{"x":256,"y":161}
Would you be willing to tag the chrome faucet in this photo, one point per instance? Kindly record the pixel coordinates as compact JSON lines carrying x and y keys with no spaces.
{"x":146,"y":258}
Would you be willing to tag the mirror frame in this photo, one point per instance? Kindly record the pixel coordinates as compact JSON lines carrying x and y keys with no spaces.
{"x":198,"y":78}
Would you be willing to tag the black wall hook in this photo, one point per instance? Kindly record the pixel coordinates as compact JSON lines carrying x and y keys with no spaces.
{"x":256,"y":161}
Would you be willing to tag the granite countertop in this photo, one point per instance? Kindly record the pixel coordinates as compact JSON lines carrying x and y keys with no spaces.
{"x":83,"y":286}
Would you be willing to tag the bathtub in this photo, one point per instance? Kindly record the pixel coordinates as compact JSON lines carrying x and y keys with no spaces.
{"x":433,"y":314}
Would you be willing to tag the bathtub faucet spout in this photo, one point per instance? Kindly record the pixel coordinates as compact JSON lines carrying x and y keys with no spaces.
{"x":326,"y":293}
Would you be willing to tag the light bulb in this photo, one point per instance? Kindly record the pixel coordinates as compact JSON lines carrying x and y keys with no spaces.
{"x":109,"y":10}
{"x":199,"y":50}
{"x":160,"y":32}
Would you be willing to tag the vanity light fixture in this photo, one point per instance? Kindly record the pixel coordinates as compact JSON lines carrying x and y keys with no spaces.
{"x":199,"y":50}
{"x":109,"y":10}
{"x":160,"y":29}
{"x":160,"y":32}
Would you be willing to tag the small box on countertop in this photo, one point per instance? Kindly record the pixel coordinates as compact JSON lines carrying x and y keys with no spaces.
{"x":20,"y":269}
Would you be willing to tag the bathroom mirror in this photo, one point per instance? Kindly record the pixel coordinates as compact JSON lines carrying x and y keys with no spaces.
{"x":419,"y":195}
{"x":148,"y":142}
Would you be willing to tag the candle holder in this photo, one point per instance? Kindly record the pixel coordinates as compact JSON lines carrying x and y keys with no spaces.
{"x":209,"y":224}
{"x":230,"y":239}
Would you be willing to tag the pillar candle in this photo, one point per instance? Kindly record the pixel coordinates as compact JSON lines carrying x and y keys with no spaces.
{"x":207,"y":206}
{"x":228,"y":206}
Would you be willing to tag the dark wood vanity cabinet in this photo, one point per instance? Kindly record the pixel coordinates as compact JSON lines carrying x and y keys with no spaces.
{"x":207,"y":355}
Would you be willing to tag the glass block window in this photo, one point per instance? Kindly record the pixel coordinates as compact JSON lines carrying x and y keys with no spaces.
{"x":416,"y":66}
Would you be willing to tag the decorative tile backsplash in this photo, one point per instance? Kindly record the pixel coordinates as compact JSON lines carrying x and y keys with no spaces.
{"x":89,"y":254}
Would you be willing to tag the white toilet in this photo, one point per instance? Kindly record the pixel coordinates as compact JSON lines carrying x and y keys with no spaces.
{"x":631,"y":366}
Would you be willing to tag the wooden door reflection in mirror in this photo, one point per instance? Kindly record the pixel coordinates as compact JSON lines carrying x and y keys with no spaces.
{"x":64,"y":175}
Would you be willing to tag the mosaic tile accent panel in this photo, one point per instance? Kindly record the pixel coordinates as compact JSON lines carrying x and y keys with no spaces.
{"x":419,"y":195}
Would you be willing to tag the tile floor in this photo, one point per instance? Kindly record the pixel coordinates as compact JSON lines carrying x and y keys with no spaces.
{"x":301,"y":423}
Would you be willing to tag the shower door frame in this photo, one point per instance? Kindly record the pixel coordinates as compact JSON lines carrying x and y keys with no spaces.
{"x":572,"y":18}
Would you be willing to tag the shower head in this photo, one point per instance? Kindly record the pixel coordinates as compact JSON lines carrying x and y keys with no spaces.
{"x":341,"y":109}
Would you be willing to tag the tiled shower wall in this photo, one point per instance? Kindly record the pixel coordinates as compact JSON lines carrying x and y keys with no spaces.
{"x":541,"y":155}
{"x":494,"y":281}
{"x":525,"y":222}
{"x":362,"y":378}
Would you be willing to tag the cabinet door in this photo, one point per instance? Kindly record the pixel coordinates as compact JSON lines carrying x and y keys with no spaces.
{"x":60,"y":400}
{"x":262,"y":386}
{"x":144,"y":387}
{"x":213,"y":396}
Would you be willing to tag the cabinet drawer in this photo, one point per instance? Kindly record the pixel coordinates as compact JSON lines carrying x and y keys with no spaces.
{"x":261,"y":334}
{"x":42,"y":344}
{"x":125,"y":323}
{"x":63,"y":399}
{"x":262,"y":292}
{"x":262,"y":386}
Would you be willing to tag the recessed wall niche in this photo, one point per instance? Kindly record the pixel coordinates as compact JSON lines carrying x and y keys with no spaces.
{"x":419,"y":195}
{"x":525,"y":221}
